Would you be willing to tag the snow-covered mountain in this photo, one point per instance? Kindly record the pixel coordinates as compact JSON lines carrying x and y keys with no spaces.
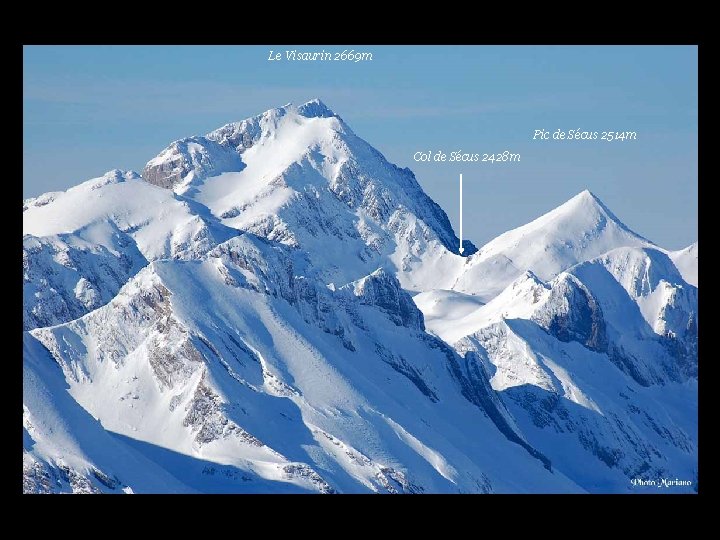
{"x":240,"y":319}
{"x":596,"y":359}
{"x":82,"y":245}
{"x":301,"y":177}
{"x":576,"y":231}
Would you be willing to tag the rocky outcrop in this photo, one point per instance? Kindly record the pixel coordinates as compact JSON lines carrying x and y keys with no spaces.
{"x":383,"y":290}
{"x":65,"y":277}
{"x":190,"y":160}
{"x":571,"y":313}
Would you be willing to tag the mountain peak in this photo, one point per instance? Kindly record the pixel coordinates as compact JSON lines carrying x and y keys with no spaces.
{"x":585,"y":202}
{"x":586,"y":207}
{"x":315,"y":109}
{"x":578,"y":230}
{"x":188,"y":161}
{"x":587,"y":195}
{"x":584,"y":198}
{"x":298,"y":175}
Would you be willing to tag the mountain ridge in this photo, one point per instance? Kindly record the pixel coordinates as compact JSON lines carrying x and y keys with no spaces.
{"x":577,"y":230}
{"x":244,"y":321}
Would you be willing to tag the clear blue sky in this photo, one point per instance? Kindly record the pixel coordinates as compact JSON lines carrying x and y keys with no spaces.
{"x":90,"y":109}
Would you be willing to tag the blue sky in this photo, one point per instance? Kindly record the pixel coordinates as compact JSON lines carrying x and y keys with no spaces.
{"x":90,"y":109}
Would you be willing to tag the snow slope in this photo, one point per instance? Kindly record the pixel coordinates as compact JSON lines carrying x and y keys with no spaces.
{"x":686,"y":261}
{"x":287,"y":385}
{"x":578,"y":230}
{"x":65,"y":449}
{"x":82,"y":245}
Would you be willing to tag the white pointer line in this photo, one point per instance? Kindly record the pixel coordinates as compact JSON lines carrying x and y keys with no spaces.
{"x":461,"y":249}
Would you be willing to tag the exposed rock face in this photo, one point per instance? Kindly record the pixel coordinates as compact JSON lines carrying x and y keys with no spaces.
{"x":188,"y":160}
{"x":65,"y":277}
{"x":383,"y":290}
{"x":572,"y":314}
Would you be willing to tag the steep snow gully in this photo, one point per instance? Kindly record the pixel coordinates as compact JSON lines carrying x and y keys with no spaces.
{"x":275,"y":308}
